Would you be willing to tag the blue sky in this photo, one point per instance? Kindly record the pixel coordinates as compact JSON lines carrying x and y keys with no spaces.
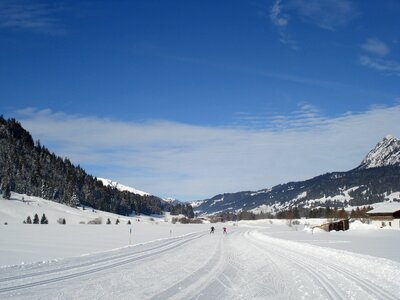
{"x":193,"y":98}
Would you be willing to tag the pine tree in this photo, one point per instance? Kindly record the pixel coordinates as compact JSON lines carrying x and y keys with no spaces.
{"x":6,"y":188}
{"x":7,"y":192}
{"x":108,"y":221}
{"x":36,"y":219}
{"x":129,"y":222}
{"x":28,"y":220}
{"x":117,"y":222}
{"x":74,"y":201}
{"x":44,"y":220}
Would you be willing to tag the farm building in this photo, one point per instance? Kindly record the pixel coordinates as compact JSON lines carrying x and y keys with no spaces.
{"x":338,"y":225}
{"x":386,"y":215}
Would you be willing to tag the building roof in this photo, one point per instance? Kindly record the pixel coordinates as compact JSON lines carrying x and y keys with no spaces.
{"x":386,"y":207}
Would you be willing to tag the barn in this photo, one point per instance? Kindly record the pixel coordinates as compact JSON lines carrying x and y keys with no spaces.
{"x":386,"y":215}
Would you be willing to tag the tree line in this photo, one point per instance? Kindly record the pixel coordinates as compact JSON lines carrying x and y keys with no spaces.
{"x":297,"y":213}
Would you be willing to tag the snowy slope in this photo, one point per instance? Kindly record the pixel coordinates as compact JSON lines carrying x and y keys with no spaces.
{"x":121,"y":187}
{"x":17,"y":209}
{"x":385,"y":153}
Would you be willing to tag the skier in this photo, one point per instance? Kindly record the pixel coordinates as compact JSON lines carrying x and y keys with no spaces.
{"x":212,"y":229}
{"x":224,"y":232}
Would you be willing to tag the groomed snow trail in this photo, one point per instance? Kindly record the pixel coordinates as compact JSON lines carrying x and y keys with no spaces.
{"x":245,"y":264}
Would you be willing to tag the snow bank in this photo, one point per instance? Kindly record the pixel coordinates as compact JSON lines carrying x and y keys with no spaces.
{"x":358,"y":225}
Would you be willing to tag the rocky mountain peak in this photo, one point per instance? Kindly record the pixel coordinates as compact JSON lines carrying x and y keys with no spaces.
{"x":385,"y":153}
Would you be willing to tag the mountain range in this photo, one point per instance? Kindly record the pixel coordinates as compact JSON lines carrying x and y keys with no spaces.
{"x":376,"y":179}
{"x":29,"y":168}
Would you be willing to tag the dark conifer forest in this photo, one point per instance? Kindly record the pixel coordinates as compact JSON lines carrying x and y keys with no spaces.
{"x":29,"y":168}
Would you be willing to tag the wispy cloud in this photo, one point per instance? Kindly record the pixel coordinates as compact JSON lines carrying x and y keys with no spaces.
{"x":174,"y":159}
{"x":376,"y":47}
{"x":387,"y":66}
{"x":31,"y":15}
{"x":377,"y":57}
{"x":276,"y":15}
{"x":326,"y":14}
{"x":281,"y":22}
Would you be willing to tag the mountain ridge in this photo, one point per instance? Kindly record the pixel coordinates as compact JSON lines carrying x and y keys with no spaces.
{"x":364,"y":185}
{"x":385,"y":153}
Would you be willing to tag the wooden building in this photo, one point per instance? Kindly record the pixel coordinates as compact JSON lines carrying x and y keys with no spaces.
{"x":338,"y":225}
{"x":386,"y":215}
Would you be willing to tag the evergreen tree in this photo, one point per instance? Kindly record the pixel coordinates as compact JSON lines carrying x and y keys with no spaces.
{"x":6,"y":188}
{"x":44,"y":220}
{"x":108,"y":221}
{"x":28,"y":220}
{"x":36,"y":219}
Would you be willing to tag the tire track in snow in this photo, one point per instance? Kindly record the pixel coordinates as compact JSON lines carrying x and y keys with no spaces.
{"x":314,"y":269}
{"x":117,"y":263}
{"x":312,"y":272}
{"x":364,"y":283}
{"x":232,"y":270}
{"x":196,"y":278}
{"x":94,"y":262}
{"x":277,"y":281}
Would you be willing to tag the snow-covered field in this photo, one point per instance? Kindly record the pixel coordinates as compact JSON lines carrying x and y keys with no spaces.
{"x":160,"y":260}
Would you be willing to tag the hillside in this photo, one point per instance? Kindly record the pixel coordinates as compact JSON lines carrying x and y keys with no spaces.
{"x":375,"y":180}
{"x":30,"y":168}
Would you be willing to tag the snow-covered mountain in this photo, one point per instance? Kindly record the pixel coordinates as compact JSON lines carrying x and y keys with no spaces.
{"x":121,"y":187}
{"x":375,"y":180}
{"x":385,"y":153}
{"x":172,"y":201}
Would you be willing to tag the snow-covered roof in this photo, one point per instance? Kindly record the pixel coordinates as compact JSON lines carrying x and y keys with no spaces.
{"x":386,"y":208}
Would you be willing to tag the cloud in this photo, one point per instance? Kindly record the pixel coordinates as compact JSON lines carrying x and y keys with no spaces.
{"x":387,"y":66}
{"x":191,"y":162}
{"x":276,"y":16}
{"x":327,"y":14}
{"x":281,"y":21}
{"x":376,"y":47}
{"x":376,"y":58}
{"x":30,"y":15}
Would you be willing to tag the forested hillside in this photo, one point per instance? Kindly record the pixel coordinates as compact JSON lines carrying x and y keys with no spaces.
{"x":29,"y":168}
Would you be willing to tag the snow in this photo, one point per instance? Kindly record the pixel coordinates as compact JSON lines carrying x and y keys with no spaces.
{"x":386,"y":207}
{"x":197,"y":203}
{"x":343,"y":197}
{"x":121,"y":187}
{"x":263,"y":259}
{"x":385,"y":153}
{"x":216,"y":201}
{"x":393,"y":196}
{"x":358,"y":225}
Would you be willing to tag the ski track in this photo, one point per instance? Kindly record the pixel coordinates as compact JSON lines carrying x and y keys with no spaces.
{"x":245,"y":264}
{"x":90,"y":263}
{"x":323,"y":270}
{"x":111,"y":262}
